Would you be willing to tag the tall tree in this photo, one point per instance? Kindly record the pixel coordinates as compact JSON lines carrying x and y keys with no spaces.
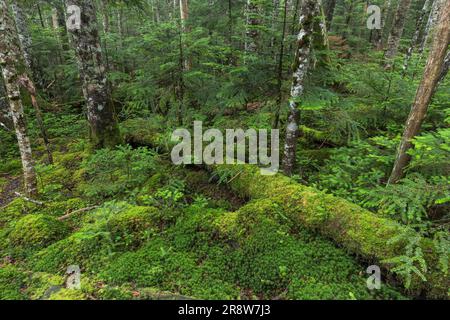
{"x":329,"y":12}
{"x":396,"y":32}
{"x":415,"y":39}
{"x":11,"y":63}
{"x":184,"y":16}
{"x":104,"y":131}
{"x":310,"y":10}
{"x":432,"y":20}
{"x":252,"y":26}
{"x":26,"y":79}
{"x":427,"y":87}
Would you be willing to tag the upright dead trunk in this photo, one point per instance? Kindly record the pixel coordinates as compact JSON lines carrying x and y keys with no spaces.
{"x":396,"y":32}
{"x":414,"y":41}
{"x":104,"y":131}
{"x":310,"y":10}
{"x":11,"y":65}
{"x":252,"y":27}
{"x":329,"y":12}
{"x":427,"y":87}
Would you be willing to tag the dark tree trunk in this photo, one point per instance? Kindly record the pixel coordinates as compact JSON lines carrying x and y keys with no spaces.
{"x":329,"y":12}
{"x":104,"y":131}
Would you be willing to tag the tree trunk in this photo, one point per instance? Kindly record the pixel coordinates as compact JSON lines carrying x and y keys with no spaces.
{"x":396,"y":32}
{"x":10,"y":61}
{"x":444,"y":69}
{"x":414,"y":41}
{"x":432,"y":19}
{"x":105,"y":15}
{"x":184,"y":17}
{"x":280,"y":68}
{"x":378,"y":38}
{"x":329,"y":12}
{"x":25,"y":41}
{"x":252,"y":32}
{"x":427,"y":87}
{"x":104,"y":131}
{"x":310,"y":10}
{"x":5,"y":115}
{"x":41,"y":19}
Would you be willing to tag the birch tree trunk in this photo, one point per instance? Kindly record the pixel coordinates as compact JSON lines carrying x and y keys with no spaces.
{"x":310,"y":10}
{"x":427,"y":87}
{"x":10,"y":63}
{"x":252,"y":24}
{"x":414,"y":41}
{"x":104,"y":131}
{"x":432,"y":19}
{"x":396,"y":32}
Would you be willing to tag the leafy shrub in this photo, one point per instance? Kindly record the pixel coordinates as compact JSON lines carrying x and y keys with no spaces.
{"x":115,"y":172}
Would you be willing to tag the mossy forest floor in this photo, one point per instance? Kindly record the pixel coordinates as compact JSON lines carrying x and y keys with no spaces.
{"x":140,"y":228}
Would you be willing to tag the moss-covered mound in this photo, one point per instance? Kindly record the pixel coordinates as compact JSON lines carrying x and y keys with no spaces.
{"x":37,"y":230}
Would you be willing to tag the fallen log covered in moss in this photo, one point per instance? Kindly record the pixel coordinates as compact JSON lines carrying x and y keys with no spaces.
{"x":357,"y":230}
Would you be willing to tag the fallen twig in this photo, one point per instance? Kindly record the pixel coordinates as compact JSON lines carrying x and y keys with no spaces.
{"x":28,"y":199}
{"x":68,"y":215}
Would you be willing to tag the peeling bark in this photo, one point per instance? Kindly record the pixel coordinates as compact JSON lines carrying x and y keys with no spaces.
{"x":310,"y":10}
{"x":104,"y":131}
{"x":396,"y":32}
{"x":11,"y":65}
{"x":432,"y":73}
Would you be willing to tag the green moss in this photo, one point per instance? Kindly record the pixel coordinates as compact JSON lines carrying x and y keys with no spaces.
{"x":16,"y":209}
{"x":133,"y":226}
{"x":359,"y":231}
{"x":68,"y":294}
{"x":37,"y":231}
{"x":12,"y":283}
{"x":88,"y":249}
{"x":41,"y":284}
